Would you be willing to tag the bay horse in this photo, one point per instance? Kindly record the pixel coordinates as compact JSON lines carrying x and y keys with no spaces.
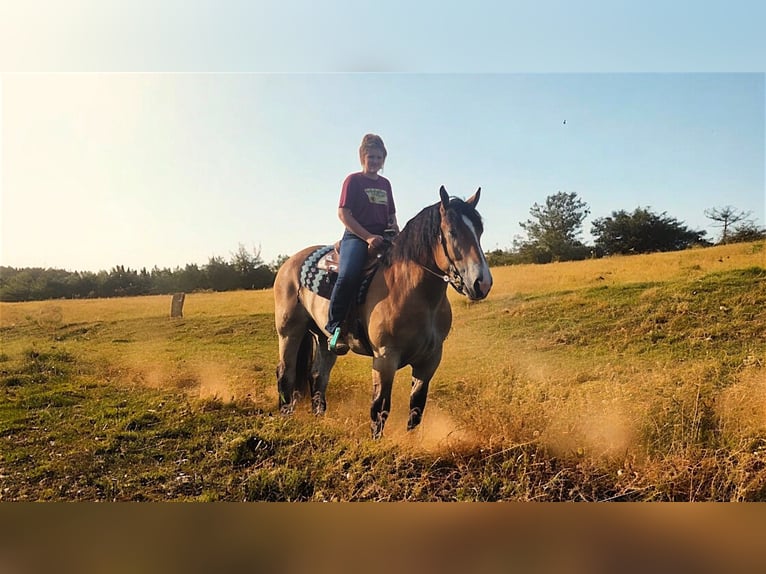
{"x":403,"y":319}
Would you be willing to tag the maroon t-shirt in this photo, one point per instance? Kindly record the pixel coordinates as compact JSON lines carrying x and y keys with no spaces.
{"x":370,"y":200}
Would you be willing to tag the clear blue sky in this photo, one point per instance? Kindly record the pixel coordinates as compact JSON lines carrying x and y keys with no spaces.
{"x":193,"y":141}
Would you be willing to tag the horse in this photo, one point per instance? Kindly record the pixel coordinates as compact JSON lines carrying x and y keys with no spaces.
{"x":405,"y":315}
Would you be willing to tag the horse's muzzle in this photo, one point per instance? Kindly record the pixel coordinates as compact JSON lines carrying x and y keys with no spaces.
{"x":480,"y":288}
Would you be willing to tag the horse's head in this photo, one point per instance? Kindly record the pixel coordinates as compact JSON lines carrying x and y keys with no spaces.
{"x":460,"y":251}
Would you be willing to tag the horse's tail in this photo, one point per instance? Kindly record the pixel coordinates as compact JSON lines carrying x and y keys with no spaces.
{"x":304,"y":363}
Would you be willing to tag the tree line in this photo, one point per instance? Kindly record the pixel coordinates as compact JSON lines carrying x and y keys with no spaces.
{"x":244,"y":270}
{"x":554,"y":228}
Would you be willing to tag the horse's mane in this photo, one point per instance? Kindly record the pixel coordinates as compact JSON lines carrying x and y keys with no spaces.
{"x":417,"y":240}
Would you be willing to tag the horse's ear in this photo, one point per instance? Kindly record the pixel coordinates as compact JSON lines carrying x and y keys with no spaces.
{"x":473,"y":201}
{"x":444,"y":196}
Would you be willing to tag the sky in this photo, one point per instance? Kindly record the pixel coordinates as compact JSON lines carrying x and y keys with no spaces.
{"x":180,"y":149}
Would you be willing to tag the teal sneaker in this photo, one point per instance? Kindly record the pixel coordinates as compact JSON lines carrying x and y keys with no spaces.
{"x":337,"y":343}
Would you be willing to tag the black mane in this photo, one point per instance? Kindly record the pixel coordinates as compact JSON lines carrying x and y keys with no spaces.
{"x":418,"y":239}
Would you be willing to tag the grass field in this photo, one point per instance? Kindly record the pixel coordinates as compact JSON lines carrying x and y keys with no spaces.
{"x":627,"y":378}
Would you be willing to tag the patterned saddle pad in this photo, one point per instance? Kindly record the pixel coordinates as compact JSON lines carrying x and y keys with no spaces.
{"x":317,"y":280}
{"x":320,"y":279}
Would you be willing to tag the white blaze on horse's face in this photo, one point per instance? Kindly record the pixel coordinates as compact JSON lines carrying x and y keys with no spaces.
{"x":477,"y":280}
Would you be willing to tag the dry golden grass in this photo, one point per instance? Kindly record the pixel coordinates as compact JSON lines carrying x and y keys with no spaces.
{"x":72,"y":311}
{"x":618,"y":270}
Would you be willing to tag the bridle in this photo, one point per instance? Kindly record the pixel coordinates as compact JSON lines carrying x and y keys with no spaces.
{"x":453,"y":276}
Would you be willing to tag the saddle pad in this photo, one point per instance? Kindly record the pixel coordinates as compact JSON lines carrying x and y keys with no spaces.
{"x":321,"y":282}
{"x":317,"y":280}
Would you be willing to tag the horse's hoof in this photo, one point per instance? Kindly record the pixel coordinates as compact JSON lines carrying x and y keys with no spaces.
{"x":377,"y":423}
{"x":318,"y":404}
{"x":286,"y":410}
{"x":416,"y":415}
{"x":413,"y":424}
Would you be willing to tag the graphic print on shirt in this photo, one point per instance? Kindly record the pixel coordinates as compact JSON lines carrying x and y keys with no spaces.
{"x":376,"y":196}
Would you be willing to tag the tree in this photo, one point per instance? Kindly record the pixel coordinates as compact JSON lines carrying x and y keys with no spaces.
{"x":246,"y":264}
{"x":500,"y":257}
{"x":164,"y":281}
{"x":221,"y":275}
{"x":121,"y":282}
{"x":253,"y":272}
{"x":190,"y":278}
{"x":748,"y":231}
{"x":85,"y":284}
{"x":277,"y":263}
{"x":725,"y":217}
{"x":642,"y":232}
{"x":246,"y":270}
{"x":16,"y":284}
{"x":553,"y":231}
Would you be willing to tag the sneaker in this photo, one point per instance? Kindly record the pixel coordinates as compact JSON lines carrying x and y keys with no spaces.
{"x":337,"y":343}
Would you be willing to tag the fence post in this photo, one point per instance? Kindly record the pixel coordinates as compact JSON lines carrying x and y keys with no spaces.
{"x":177,"y":305}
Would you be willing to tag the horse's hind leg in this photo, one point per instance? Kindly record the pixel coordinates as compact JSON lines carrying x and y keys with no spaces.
{"x":323,"y":364}
{"x":286,"y":376}
{"x":287,"y":371}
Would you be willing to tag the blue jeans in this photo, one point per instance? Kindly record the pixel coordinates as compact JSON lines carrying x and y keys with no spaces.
{"x":353,"y":255}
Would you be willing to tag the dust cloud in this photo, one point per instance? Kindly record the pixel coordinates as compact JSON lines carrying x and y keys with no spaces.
{"x":437,"y":433}
{"x":209,"y":380}
{"x":596,"y":428}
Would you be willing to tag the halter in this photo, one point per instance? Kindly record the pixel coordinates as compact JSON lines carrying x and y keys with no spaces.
{"x":453,"y":277}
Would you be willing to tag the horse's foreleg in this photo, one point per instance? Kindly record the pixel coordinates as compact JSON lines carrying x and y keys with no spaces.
{"x":421,"y":377}
{"x":383,"y":370}
{"x":418,"y":395}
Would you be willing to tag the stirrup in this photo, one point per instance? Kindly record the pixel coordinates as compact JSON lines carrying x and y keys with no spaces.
{"x":337,"y":344}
